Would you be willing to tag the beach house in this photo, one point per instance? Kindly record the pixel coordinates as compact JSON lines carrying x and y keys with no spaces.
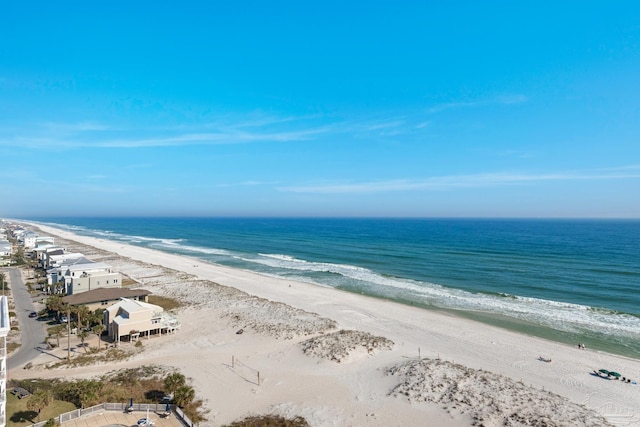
{"x":82,"y":277}
{"x":105,"y":297}
{"x":130,"y":319}
{"x":5,"y":248}
{"x":54,"y":259}
{"x":29,"y":239}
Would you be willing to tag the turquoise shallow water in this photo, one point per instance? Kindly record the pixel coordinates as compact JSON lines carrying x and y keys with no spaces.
{"x":568,"y":280}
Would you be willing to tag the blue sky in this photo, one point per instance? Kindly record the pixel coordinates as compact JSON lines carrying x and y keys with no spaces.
{"x":418,"y":109}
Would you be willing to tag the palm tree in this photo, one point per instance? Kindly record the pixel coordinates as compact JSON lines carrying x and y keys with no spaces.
{"x":184,"y":395}
{"x":82,"y":313}
{"x":83,"y":336}
{"x":54,"y":303}
{"x":38,"y":401}
{"x":95,"y":316}
{"x":174,"y":381}
{"x":98,"y":330}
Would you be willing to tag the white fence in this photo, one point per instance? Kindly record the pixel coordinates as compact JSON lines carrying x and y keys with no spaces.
{"x":121,"y":407}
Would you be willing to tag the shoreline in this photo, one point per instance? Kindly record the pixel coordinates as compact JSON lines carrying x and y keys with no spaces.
{"x":539,"y":317}
{"x":415,"y":331}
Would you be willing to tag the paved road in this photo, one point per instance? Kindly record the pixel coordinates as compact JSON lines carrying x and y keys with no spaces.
{"x":32,"y":331}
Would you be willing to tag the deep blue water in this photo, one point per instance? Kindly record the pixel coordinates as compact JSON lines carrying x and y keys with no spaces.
{"x":563,"y":279}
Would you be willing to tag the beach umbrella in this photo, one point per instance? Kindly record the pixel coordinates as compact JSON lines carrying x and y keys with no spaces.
{"x":604,"y":371}
{"x":614,"y":374}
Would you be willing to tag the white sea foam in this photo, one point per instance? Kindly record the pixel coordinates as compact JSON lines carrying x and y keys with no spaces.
{"x":174,"y":245}
{"x":564,"y":316}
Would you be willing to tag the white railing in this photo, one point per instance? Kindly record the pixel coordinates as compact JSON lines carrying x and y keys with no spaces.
{"x":121,"y":407}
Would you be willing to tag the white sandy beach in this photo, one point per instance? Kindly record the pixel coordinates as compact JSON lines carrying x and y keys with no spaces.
{"x":469,"y":373}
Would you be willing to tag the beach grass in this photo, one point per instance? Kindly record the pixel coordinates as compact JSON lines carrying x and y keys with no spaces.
{"x":167,"y":304}
{"x":270,"y":421}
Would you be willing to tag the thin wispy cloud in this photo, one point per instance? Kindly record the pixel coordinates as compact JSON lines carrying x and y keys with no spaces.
{"x":251,"y":183}
{"x":498,"y":100}
{"x":75,"y":127}
{"x":465,"y":181}
{"x":62,"y":136}
{"x":207,"y":138}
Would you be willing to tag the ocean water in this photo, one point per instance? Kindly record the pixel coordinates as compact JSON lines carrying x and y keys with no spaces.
{"x":567,"y":280}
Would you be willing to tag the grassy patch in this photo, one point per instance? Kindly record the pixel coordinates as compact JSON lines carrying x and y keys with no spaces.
{"x":164,"y":302}
{"x":128,"y":282}
{"x":94,"y":356}
{"x":18,"y":415}
{"x":270,"y":421}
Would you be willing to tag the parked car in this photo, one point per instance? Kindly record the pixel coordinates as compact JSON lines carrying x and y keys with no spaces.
{"x":145,"y":422}
{"x":63,"y":319}
{"x":33,"y":314}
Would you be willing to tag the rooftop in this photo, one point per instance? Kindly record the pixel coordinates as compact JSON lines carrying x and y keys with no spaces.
{"x":104,"y":294}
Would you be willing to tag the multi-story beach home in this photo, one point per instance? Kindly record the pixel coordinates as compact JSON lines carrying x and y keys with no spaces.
{"x":42,"y":251}
{"x":55,"y":275}
{"x":5,"y":327}
{"x":131,"y":319}
{"x":84,"y":277}
{"x":29,"y":239}
{"x":45,"y":240}
{"x":5,"y":252}
{"x":55,"y":260}
{"x":16,"y":232}
{"x":5,"y":248}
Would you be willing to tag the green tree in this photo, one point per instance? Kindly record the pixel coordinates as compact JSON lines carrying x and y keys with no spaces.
{"x":95,"y":317}
{"x":89,"y":392}
{"x":98,"y":330}
{"x":38,"y":401}
{"x":82,"y":393}
{"x":54,"y":303}
{"x":82,"y":314}
{"x":18,"y":256}
{"x":174,"y":381}
{"x":83,"y":336}
{"x":184,"y":395}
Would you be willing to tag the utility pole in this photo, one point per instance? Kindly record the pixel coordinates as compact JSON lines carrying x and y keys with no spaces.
{"x":68,"y":335}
